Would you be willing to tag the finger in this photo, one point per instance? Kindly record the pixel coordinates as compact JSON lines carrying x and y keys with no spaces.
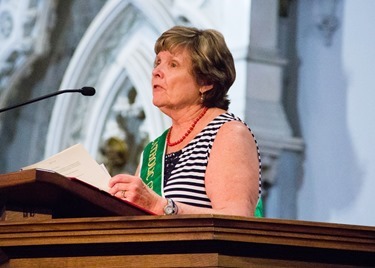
{"x":122,"y":194}
{"x":116,"y":179}
{"x":117,"y":188}
{"x":120,"y":178}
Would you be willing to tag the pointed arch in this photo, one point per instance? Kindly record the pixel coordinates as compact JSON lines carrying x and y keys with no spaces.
{"x":116,"y":50}
{"x":115,"y":55}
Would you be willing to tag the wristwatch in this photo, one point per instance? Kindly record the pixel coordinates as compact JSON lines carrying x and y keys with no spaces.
{"x":171,"y":207}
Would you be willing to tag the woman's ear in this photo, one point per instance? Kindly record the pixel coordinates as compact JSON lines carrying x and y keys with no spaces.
{"x":205,"y":88}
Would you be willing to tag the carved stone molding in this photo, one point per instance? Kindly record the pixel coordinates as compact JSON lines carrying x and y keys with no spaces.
{"x":24,"y":36}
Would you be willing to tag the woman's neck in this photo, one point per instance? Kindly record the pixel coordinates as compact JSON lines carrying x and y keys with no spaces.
{"x":184,"y":129}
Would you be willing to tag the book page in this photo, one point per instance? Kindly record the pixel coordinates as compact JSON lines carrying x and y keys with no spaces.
{"x":76,"y":162}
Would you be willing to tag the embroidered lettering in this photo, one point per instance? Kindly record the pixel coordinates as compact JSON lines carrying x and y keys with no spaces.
{"x":152,"y":160}
{"x":150,"y":184}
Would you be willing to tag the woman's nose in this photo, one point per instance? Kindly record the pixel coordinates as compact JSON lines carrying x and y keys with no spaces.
{"x":157,"y":71}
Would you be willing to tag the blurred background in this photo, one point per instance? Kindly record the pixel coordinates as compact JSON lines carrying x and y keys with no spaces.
{"x":305,"y":85}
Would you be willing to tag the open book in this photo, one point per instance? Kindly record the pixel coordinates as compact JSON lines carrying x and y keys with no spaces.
{"x":76,"y":162}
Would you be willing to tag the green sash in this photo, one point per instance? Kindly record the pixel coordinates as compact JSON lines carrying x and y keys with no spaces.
{"x":258,"y":213}
{"x":152,"y":168}
{"x":152,"y":164}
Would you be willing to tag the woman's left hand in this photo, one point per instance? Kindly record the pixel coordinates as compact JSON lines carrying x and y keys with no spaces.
{"x":132,"y":189}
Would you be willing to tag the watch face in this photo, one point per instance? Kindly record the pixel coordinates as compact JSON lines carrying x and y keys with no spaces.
{"x":168,"y":210}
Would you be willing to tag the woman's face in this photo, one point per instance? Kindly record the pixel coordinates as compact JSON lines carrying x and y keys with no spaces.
{"x":173,"y":84}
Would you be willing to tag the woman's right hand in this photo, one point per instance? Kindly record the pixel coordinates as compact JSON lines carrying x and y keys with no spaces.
{"x":133,"y":189}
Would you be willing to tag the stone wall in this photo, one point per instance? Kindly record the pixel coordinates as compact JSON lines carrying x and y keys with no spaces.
{"x":29,"y":124}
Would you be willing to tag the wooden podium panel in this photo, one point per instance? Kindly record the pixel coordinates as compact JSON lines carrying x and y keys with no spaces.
{"x":184,"y":241}
{"x":42,"y":191}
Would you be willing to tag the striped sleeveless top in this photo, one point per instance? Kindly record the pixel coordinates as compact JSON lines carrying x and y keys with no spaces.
{"x":184,"y":170}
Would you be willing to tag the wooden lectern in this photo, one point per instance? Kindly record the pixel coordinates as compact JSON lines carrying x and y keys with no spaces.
{"x":41,"y":191}
{"x":107,"y":232}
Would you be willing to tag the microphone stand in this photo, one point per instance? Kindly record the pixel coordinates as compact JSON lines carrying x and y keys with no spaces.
{"x":83,"y":91}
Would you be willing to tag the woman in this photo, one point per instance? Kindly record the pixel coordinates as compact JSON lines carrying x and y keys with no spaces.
{"x":208,"y":161}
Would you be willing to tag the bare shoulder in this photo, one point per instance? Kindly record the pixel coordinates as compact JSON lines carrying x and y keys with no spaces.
{"x":234,"y":137}
{"x":234,"y":129}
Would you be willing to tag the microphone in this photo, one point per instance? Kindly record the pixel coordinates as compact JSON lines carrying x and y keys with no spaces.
{"x":85,"y":91}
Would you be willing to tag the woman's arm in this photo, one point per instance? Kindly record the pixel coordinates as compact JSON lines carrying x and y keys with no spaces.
{"x":232,"y":175}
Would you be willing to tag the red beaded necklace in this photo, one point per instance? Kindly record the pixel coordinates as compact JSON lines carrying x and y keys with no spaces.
{"x":169,"y":143}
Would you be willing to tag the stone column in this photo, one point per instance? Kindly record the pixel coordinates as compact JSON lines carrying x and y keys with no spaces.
{"x":265,"y":111}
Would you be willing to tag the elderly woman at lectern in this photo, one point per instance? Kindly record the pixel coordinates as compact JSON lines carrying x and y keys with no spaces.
{"x":207,"y":161}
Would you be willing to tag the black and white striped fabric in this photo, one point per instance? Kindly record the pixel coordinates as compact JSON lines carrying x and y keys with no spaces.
{"x":184,"y":171}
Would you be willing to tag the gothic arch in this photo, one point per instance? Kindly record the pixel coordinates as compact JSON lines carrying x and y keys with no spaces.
{"x":115,"y":55}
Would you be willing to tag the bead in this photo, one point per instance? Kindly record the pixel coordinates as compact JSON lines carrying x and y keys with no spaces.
{"x":169,"y":143}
